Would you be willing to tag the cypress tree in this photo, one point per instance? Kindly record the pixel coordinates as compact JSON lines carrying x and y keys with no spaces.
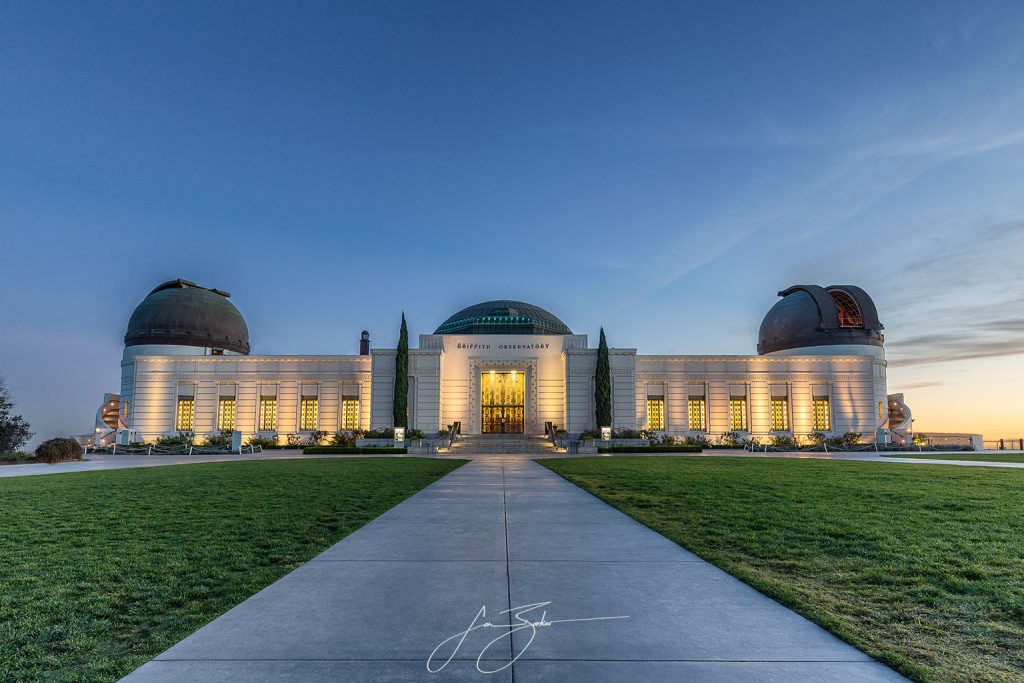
{"x":400,"y":404}
{"x":603,"y":385}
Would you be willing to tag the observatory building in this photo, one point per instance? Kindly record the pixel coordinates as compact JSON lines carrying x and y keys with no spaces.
{"x":498,"y":367}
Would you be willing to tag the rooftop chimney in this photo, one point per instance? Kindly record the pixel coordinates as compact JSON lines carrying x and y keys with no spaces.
{"x":364,"y":343}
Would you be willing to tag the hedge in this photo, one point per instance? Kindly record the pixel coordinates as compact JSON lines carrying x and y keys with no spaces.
{"x":649,"y":449}
{"x":350,"y":450}
{"x":58,"y":450}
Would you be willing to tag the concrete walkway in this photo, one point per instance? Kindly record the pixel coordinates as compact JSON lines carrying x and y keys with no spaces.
{"x":495,"y":535}
{"x":95,"y":463}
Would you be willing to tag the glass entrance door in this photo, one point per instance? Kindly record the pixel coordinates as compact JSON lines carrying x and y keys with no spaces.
{"x":502,"y":401}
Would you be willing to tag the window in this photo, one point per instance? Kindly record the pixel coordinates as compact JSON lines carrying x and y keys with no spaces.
{"x":124,"y":411}
{"x":268,"y":413}
{"x":780,"y":413}
{"x":737,"y":414}
{"x":226,"y":414}
{"x":308,"y":414}
{"x":185,"y":418}
{"x":350,"y":412}
{"x":656,"y":414}
{"x":822,"y":415}
{"x":697,"y":414}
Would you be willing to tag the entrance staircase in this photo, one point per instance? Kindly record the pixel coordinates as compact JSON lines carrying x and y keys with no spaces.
{"x":503,"y":444}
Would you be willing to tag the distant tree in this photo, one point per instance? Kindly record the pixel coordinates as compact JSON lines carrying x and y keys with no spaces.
{"x":603,"y":385}
{"x":400,"y":404}
{"x":14,"y":431}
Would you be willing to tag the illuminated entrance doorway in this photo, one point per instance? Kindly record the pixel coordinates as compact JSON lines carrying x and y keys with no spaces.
{"x":502,"y":401}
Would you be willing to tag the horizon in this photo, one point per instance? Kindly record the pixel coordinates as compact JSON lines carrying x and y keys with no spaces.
{"x":659,"y":170}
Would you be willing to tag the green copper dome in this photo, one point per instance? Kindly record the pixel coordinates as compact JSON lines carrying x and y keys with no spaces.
{"x":181,"y":313}
{"x":503,"y":317}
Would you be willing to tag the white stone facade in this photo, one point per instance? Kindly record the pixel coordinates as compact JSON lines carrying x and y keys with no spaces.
{"x":444,"y":387}
{"x":820,"y":369}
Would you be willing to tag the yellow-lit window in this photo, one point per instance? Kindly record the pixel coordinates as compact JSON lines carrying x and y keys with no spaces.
{"x":738,"y":414}
{"x":185,"y":418}
{"x":124,"y":410}
{"x":697,"y":414}
{"x":308,"y":414}
{"x":780,"y":414}
{"x":822,"y":415}
{"x":268,"y":413}
{"x":226,"y":414}
{"x":350,"y":413}
{"x":656,"y":414}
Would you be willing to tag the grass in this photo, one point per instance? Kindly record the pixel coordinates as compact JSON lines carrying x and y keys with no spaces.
{"x":919,"y":567}
{"x":987,"y":457}
{"x":649,"y":449}
{"x":101,"y":571}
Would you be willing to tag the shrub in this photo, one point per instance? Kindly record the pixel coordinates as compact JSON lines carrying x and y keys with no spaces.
{"x":590,"y":434}
{"x":816,"y":438}
{"x":920,"y":439}
{"x":385,"y":433}
{"x":59,"y":450}
{"x":850,"y":438}
{"x":219,"y":440}
{"x":623,"y":433}
{"x":179,"y":439}
{"x":413,"y":434}
{"x":731,"y":439}
{"x":316,"y":437}
{"x":443,"y":433}
{"x":783,"y":441}
{"x":697,"y":440}
{"x":665,"y":440}
{"x":262,"y":441}
{"x":343,"y":438}
{"x":17,"y":456}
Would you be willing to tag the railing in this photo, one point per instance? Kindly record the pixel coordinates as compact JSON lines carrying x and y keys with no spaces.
{"x":860,"y":448}
{"x":182,"y":449}
{"x":1005,"y":445}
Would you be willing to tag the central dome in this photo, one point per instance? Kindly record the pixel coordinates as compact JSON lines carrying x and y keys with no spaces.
{"x":503,"y":317}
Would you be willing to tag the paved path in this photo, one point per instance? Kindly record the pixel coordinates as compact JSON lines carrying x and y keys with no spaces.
{"x":501,"y":533}
{"x":119,"y":462}
{"x":94,"y":463}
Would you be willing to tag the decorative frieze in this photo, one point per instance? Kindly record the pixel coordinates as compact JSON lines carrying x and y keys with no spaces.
{"x":253,"y":377}
{"x":749,"y":377}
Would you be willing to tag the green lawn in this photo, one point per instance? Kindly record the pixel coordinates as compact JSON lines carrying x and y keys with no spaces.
{"x":921,"y":567}
{"x":101,"y":571}
{"x":988,"y":457}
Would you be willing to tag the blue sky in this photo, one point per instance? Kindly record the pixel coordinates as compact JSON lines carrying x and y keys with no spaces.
{"x":661,"y":169}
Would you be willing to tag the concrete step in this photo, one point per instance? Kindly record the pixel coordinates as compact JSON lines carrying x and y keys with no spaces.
{"x":503,"y":444}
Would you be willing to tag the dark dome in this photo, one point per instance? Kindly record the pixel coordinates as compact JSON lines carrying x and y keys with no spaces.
{"x":503,"y":317}
{"x":182,"y":313}
{"x":809,"y":315}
